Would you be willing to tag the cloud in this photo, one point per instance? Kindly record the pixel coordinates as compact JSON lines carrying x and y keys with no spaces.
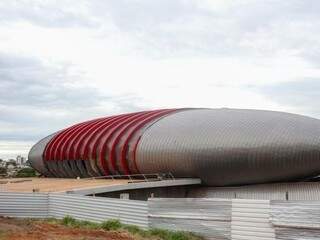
{"x":303,"y":95}
{"x":10,"y":149}
{"x":38,"y":98}
{"x":28,"y":82}
{"x":175,"y":29}
{"x":47,"y":13}
{"x":65,"y":63}
{"x":179,"y":28}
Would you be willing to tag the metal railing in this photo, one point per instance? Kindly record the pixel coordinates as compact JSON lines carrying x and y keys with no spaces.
{"x":150,"y":177}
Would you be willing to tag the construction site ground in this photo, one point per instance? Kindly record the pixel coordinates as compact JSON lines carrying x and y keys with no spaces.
{"x":17,"y":229}
{"x":54,"y":184}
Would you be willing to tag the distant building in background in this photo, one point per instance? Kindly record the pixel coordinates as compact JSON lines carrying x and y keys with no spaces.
{"x":20,"y":160}
{"x":2,"y":163}
{"x":11,"y":167}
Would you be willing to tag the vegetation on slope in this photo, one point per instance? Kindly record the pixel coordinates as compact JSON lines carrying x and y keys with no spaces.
{"x":116,"y":225}
{"x":71,"y":229}
{"x":26,"y":172}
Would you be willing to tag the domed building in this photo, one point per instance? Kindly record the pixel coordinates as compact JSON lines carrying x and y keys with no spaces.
{"x":222,"y":147}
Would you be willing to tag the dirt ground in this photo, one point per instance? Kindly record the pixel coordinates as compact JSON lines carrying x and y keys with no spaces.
{"x":14,"y":229}
{"x":54,"y":184}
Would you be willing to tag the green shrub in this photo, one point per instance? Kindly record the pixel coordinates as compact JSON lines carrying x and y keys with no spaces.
{"x":26,"y":172}
{"x":135,"y":230}
{"x":112,"y":224}
{"x":69,"y":221}
{"x":87,"y":224}
{"x":3,"y":171}
{"x":179,"y":236}
{"x":171,"y":235}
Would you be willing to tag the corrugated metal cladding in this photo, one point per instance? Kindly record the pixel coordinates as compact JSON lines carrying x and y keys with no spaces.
{"x":278,"y":191}
{"x":207,"y":217}
{"x":44,"y":205}
{"x":36,"y":155}
{"x":24,"y":205}
{"x":250,"y":220}
{"x":99,"y":209}
{"x":236,"y":219}
{"x":232,"y":147}
{"x":223,"y":147}
{"x":296,"y":220}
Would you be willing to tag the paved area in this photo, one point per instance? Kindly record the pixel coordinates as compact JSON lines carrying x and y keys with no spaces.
{"x":54,"y":184}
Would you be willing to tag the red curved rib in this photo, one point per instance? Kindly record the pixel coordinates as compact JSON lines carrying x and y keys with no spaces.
{"x":53,"y":144}
{"x":84,"y":153}
{"x":60,"y":152}
{"x":68,"y":153}
{"x":135,"y":165}
{"x":113,"y":128}
{"x":90,"y":153}
{"x":79,"y":144}
{"x":124,"y":146}
{"x":141,"y":119}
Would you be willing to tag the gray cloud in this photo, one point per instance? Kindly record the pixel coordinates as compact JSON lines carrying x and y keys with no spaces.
{"x":36,"y":99}
{"x":189,"y":28}
{"x":302,"y":95}
{"x":26,"y":81}
{"x":47,"y":13}
{"x":182,"y":28}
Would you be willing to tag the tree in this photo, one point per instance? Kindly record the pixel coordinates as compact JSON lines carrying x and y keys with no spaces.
{"x":3,"y":171}
{"x":26,"y":172}
{"x":11,"y":162}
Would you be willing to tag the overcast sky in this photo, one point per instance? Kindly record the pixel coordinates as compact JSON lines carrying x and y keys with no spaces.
{"x":62,"y":62}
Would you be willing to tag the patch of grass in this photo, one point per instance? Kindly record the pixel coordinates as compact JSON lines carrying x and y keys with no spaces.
{"x":71,"y":222}
{"x":135,"y":230}
{"x":114,"y":224}
{"x":26,"y":172}
{"x":172,"y":235}
{"x":88,"y":224}
{"x":52,"y":221}
{"x":3,"y":234}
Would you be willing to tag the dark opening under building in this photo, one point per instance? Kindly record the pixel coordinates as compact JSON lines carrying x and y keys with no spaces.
{"x":222,"y":147}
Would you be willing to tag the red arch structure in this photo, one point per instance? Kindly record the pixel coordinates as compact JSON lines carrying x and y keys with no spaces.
{"x":99,"y":147}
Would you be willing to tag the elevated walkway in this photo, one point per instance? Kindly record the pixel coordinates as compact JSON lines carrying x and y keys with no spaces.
{"x":136,"y":185}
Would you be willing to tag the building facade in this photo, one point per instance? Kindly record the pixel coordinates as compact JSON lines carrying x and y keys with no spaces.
{"x":223,"y":147}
